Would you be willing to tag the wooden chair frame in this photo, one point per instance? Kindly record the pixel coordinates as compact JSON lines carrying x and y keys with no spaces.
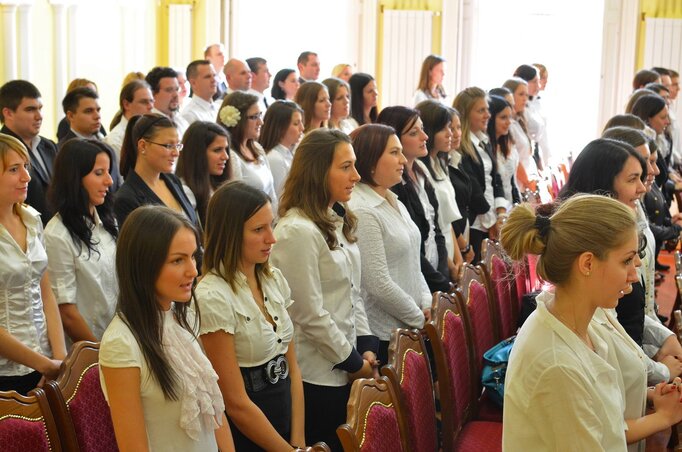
{"x":34,"y":407}
{"x":492,"y":249}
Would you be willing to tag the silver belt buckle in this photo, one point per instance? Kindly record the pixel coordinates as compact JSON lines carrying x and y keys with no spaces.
{"x":277,"y":369}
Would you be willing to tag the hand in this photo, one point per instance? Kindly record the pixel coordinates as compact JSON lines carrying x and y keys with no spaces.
{"x":364,"y":372}
{"x":427,"y":315}
{"x":668,"y":404}
{"x":468,"y":256}
{"x":454,"y":271}
{"x":673,"y":364}
{"x":493,"y":232}
{"x":370,"y":357}
{"x":50,"y":368}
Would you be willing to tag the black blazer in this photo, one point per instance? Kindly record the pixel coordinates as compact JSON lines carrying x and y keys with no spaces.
{"x":37,"y":187}
{"x":660,"y":220}
{"x":63,"y":128}
{"x":463,"y":195}
{"x":115,"y":172}
{"x":474,"y":169}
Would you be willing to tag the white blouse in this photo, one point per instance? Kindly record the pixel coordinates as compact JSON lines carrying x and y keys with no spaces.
{"x":485,"y":221}
{"x":86,"y":278}
{"x":430,"y":246}
{"x":393,"y":286}
{"x":256,"y":174}
{"x":506,"y":167}
{"x":328,"y":314}
{"x":236,"y":313}
{"x":279,"y":159}
{"x":21,"y":304}
{"x":524,"y":149}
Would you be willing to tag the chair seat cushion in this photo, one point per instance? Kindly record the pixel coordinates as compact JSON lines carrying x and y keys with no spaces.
{"x":477,"y":436}
{"x":488,"y":410}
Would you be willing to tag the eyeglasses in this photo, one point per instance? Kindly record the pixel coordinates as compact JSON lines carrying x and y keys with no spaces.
{"x":255,"y":117}
{"x":168,"y":146}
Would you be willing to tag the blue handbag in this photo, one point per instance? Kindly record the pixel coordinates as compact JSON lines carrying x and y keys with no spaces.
{"x":495,"y":368}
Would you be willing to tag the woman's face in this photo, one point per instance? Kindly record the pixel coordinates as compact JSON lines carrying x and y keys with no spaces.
{"x":442,"y":141}
{"x":628,"y":184}
{"x":341,"y":104}
{"x":217,"y":154}
{"x":97,"y":182}
{"x":520,"y":98}
{"x":290,"y":85}
{"x":479,"y":115}
{"x":323,"y":107}
{"x":155,"y":153}
{"x":660,"y":121}
{"x":503,"y":122}
{"x":294,"y":132}
{"x":436,"y":75}
{"x":254,"y":121}
{"x":390,"y":166}
{"x":614,"y":275}
{"x":456,"y":126}
{"x":651,"y":171}
{"x":370,"y":94}
{"x":342,"y":175}
{"x":177,"y":274}
{"x":534,"y":86}
{"x":413,"y":140}
{"x":346,"y":73}
{"x":258,"y":238}
{"x":14,"y":179}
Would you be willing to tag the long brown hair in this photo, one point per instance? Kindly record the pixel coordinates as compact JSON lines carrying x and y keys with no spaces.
{"x":306,"y":97}
{"x":464,"y":103}
{"x":307,"y":186}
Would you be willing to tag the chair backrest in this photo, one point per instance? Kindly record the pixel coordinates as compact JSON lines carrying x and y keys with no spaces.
{"x":450,"y":336}
{"x":498,"y":272}
{"x":27,"y":424}
{"x":535,"y":280}
{"x":375,"y":421}
{"x":409,"y":371}
{"x":678,"y":263}
{"x":477,"y":303}
{"x":319,"y":447}
{"x":76,"y":396}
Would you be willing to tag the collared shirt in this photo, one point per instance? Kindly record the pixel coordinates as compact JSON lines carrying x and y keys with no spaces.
{"x":256,"y":174}
{"x":236,"y":313}
{"x":21,"y":304}
{"x":95,"y":136}
{"x":279,"y":159}
{"x":35,"y":141}
{"x":263,"y":100}
{"x":198,"y":109}
{"x":328,"y":314}
{"x":83,"y":277}
{"x":393,"y":286}
{"x":524,"y":149}
{"x":485,"y":221}
{"x":116,"y":135}
{"x":559,"y":394}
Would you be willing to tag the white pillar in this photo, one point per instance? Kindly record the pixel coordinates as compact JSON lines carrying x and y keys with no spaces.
{"x":60,"y":54}
{"x":10,"y":41}
{"x":25,"y":42}
{"x":72,"y":41}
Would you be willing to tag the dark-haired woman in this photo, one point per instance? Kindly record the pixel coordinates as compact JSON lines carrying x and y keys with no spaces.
{"x":246,"y":330}
{"x":161,"y":388}
{"x":203,"y":164}
{"x":503,"y":147}
{"x":81,"y":239}
{"x":363,"y":98}
{"x":285,"y":84}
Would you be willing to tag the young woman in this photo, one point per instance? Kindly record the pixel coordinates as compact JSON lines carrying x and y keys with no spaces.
{"x":504,"y":151}
{"x":570,"y":378}
{"x":203,"y":164}
{"x":245,"y":329}
{"x":339,"y":95}
{"x":653,"y":110}
{"x":282,"y":130}
{"x":417,"y":194}
{"x":481,"y":166}
{"x":31,"y":336}
{"x":537,"y":122}
{"x":240,"y":114}
{"x":161,"y":389}
{"x":363,"y":98}
{"x":437,"y":120}
{"x":317,"y":253}
{"x":314,"y":100}
{"x":430,"y":86}
{"x":285,"y":84}
{"x":343,"y":71}
{"x":150,"y":149}
{"x":395,"y":292}
{"x":81,"y":239}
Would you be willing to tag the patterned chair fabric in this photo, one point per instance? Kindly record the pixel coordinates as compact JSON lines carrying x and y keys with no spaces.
{"x":498,"y":271}
{"x":27,"y":424}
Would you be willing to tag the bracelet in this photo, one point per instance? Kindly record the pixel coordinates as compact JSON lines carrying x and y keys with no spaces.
{"x":466,"y":249}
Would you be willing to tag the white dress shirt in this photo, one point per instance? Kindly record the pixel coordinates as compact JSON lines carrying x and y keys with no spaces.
{"x":263,"y":101}
{"x":256,"y":174}
{"x":83,"y":277}
{"x":328,"y":314}
{"x":279,"y":159}
{"x":115,"y":137}
{"x":524,"y":149}
{"x":198,"y":109}
{"x":393,"y":286}
{"x":506,"y":168}
{"x":21,"y":304}
{"x":236,"y":313}
{"x":559,"y":394}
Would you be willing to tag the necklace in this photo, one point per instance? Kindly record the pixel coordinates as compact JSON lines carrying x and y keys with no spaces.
{"x":583,"y":336}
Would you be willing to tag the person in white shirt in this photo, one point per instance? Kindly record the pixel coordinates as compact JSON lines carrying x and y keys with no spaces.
{"x":308,"y":64}
{"x":498,"y":130}
{"x":201,"y":107}
{"x":343,"y":71}
{"x":238,"y":75}
{"x":285,"y":84}
{"x":260,"y":80}
{"x":31,"y":336}
{"x":282,"y":130}
{"x":81,"y":239}
{"x":165,"y":89}
{"x":215,"y":53}
{"x":135,"y":99}
{"x":537,"y":121}
{"x":394,"y":290}
{"x":316,"y":251}
{"x":313,"y":98}
{"x":243,"y":118}
{"x":339,"y":96}
{"x":161,"y":389}
{"x":430,"y":86}
{"x":245,"y":328}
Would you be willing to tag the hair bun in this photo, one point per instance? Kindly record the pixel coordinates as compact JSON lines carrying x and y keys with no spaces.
{"x":543,"y":224}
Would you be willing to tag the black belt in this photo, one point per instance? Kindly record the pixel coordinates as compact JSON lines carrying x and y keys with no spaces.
{"x":259,"y":377}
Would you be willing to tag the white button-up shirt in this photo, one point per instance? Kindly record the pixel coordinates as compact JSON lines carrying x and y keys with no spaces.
{"x":83,"y":277}
{"x":256,"y":174}
{"x":198,"y":109}
{"x":328,"y":314}
{"x":279,"y":159}
{"x":115,"y":137}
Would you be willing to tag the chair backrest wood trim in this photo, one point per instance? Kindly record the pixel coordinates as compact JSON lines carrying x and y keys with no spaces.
{"x":492,"y":251}
{"x":31,"y":408}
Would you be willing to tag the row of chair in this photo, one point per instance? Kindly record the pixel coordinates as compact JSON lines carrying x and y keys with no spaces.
{"x":397,"y":412}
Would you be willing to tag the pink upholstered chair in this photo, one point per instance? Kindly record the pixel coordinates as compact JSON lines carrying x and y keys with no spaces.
{"x":76,"y":397}
{"x":375,"y":420}
{"x":409,"y":371}
{"x":498,"y":272}
{"x":27,"y":424}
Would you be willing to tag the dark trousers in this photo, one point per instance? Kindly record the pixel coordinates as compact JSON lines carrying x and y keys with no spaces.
{"x":476,"y":238}
{"x":22,"y":384}
{"x":325,"y":410}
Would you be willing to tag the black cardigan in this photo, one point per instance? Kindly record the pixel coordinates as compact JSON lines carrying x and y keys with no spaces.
{"x":474,"y":169}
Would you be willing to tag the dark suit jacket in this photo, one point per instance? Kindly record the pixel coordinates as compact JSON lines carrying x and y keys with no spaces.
{"x":37,"y":187}
{"x":63,"y":128}
{"x":115,"y":172}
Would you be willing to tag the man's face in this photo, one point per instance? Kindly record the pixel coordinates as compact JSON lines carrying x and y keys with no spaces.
{"x":142,"y":103}
{"x":86,"y":120}
{"x":239,"y":76}
{"x":167,"y":99}
{"x":26,"y":120}
{"x":261,"y":78}
{"x":311,"y":69}
{"x":217,"y":57}
{"x":204,"y":83}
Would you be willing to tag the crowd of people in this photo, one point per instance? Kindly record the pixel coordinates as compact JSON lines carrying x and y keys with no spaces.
{"x":243,"y":254}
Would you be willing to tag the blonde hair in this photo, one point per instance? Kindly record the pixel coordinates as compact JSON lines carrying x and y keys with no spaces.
{"x":8,"y":144}
{"x":80,"y":83}
{"x":582,"y":223}
{"x":464,"y":103}
{"x":338,"y":69}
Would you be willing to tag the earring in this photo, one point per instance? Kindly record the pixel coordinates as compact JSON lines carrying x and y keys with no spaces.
{"x":588,"y":273}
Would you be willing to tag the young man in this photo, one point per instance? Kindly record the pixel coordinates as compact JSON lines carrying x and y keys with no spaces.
{"x":308,"y":66}
{"x":260,"y":80}
{"x":165,"y":88}
{"x":201,"y":107}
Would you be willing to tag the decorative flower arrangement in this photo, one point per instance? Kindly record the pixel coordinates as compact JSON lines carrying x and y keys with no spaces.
{"x":229,"y":115}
